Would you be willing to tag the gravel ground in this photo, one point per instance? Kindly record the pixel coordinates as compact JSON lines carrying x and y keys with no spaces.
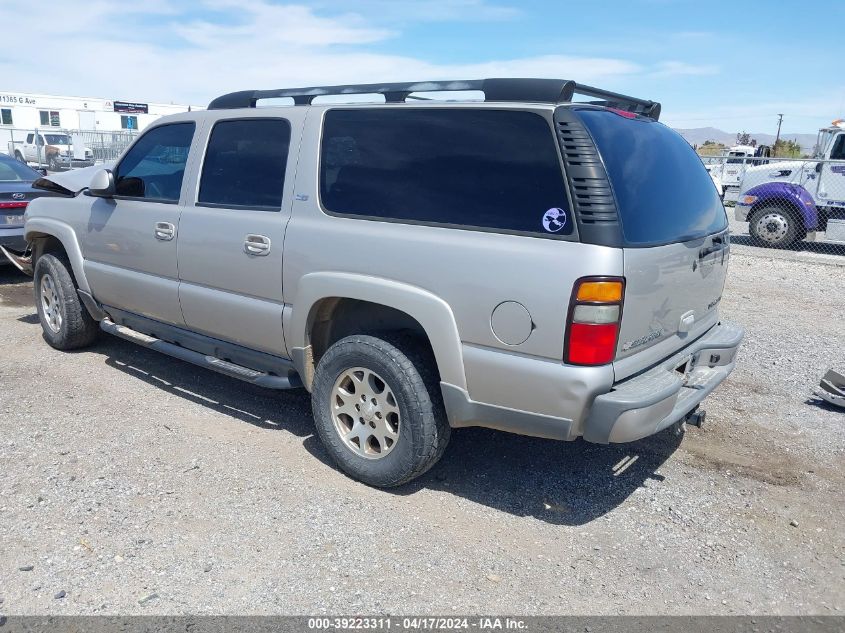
{"x":134,"y":483}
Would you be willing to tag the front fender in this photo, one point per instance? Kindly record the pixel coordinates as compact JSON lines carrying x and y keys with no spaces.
{"x":38,"y":227}
{"x":780,"y":193}
{"x":432,"y":313}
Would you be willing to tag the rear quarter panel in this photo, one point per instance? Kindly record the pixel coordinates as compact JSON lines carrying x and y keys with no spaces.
{"x":472,"y":271}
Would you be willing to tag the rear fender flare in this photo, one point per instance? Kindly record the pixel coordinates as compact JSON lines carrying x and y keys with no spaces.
{"x":432,"y":313}
{"x":37,"y":227}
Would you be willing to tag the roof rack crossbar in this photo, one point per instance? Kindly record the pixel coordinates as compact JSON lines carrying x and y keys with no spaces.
{"x":522,"y":89}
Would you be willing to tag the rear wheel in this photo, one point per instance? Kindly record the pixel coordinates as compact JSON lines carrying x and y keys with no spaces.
{"x":64,"y":320}
{"x":378,"y":409}
{"x":20,"y":157}
{"x":775,"y":227}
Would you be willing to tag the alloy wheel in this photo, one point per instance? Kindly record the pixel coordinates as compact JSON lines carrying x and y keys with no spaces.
{"x":365,"y":413}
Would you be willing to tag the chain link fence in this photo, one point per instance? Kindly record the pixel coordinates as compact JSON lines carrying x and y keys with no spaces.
{"x":784,"y":203}
{"x":56,"y":149}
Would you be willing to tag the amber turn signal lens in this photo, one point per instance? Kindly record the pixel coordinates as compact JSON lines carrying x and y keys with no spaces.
{"x":605,"y":291}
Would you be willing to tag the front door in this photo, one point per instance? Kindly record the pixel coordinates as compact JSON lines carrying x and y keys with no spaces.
{"x":231,"y":237}
{"x":130,"y":244}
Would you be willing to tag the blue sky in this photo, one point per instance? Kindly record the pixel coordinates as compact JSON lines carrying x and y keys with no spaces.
{"x":727,"y":64}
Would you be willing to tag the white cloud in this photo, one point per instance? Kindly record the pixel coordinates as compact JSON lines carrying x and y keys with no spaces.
{"x":161,"y":50}
{"x":278,"y":26}
{"x":675,"y":68}
{"x":431,"y":10}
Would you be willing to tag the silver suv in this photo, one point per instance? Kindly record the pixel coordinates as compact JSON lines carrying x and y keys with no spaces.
{"x":524,"y":262}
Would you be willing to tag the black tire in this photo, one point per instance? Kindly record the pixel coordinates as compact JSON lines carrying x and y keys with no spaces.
{"x":53,"y":163}
{"x":20,"y":158}
{"x":409,"y":371}
{"x":76,"y":328}
{"x":786,"y":229}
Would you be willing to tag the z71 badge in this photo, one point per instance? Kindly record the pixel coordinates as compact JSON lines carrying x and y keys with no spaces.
{"x":654,"y":334}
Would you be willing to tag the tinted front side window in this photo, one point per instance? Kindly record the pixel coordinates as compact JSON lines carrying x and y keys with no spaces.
{"x":154,"y":167}
{"x":245,"y":164}
{"x":663,"y":192}
{"x":494,"y":169}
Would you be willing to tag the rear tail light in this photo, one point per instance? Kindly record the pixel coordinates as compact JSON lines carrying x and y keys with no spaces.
{"x":14,"y":205}
{"x":595,"y":312}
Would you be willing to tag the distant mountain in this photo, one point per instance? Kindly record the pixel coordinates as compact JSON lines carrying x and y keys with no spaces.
{"x":697,"y":136}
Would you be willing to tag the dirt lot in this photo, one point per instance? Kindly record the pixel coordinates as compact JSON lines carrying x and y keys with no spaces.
{"x":134,"y":483}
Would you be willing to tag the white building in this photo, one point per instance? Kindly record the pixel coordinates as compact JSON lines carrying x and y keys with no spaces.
{"x":23,"y":111}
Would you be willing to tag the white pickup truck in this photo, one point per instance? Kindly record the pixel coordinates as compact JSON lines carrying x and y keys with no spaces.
{"x":53,"y":149}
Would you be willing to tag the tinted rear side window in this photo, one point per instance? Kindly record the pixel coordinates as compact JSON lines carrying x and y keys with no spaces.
{"x":494,"y":169}
{"x":663,"y":192}
{"x":245,"y":164}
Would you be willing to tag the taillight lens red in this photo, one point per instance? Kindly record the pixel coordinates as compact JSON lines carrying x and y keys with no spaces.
{"x":592,"y":344}
{"x":595,"y":312}
{"x":14,"y":205}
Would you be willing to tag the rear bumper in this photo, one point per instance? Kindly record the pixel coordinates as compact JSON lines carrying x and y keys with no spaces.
{"x":651,"y":401}
{"x":529,"y":396}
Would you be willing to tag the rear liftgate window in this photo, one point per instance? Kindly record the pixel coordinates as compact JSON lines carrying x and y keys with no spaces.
{"x":490,"y":169}
{"x":663,"y":192}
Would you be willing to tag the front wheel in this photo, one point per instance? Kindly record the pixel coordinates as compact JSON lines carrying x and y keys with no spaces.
{"x":64,"y":320}
{"x":774,"y":227}
{"x":378,"y":409}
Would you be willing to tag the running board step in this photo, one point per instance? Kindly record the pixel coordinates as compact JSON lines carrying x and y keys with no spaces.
{"x":260,"y":378}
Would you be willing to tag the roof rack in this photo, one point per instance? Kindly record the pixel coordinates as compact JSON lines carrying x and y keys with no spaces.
{"x":531,"y":90}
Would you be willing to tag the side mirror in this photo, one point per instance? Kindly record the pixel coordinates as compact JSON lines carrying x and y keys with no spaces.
{"x":102,"y":184}
{"x":819,"y":167}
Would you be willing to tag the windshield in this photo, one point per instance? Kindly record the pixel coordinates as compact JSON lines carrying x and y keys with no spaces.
{"x":736,"y":160}
{"x":824,"y":139}
{"x":15,"y":171}
{"x":663,"y":192}
{"x":57,"y":139}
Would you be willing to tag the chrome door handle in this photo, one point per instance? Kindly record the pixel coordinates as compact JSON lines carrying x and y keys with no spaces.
{"x":256,"y":245}
{"x":165,"y":231}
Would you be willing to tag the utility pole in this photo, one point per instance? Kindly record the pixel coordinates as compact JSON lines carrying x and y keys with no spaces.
{"x":777,"y":137}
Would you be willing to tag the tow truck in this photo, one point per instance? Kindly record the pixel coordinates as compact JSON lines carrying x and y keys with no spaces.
{"x":788,"y":201}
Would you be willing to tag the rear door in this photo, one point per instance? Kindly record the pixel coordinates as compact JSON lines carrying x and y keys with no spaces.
{"x":675,"y":237}
{"x":231,"y":235}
